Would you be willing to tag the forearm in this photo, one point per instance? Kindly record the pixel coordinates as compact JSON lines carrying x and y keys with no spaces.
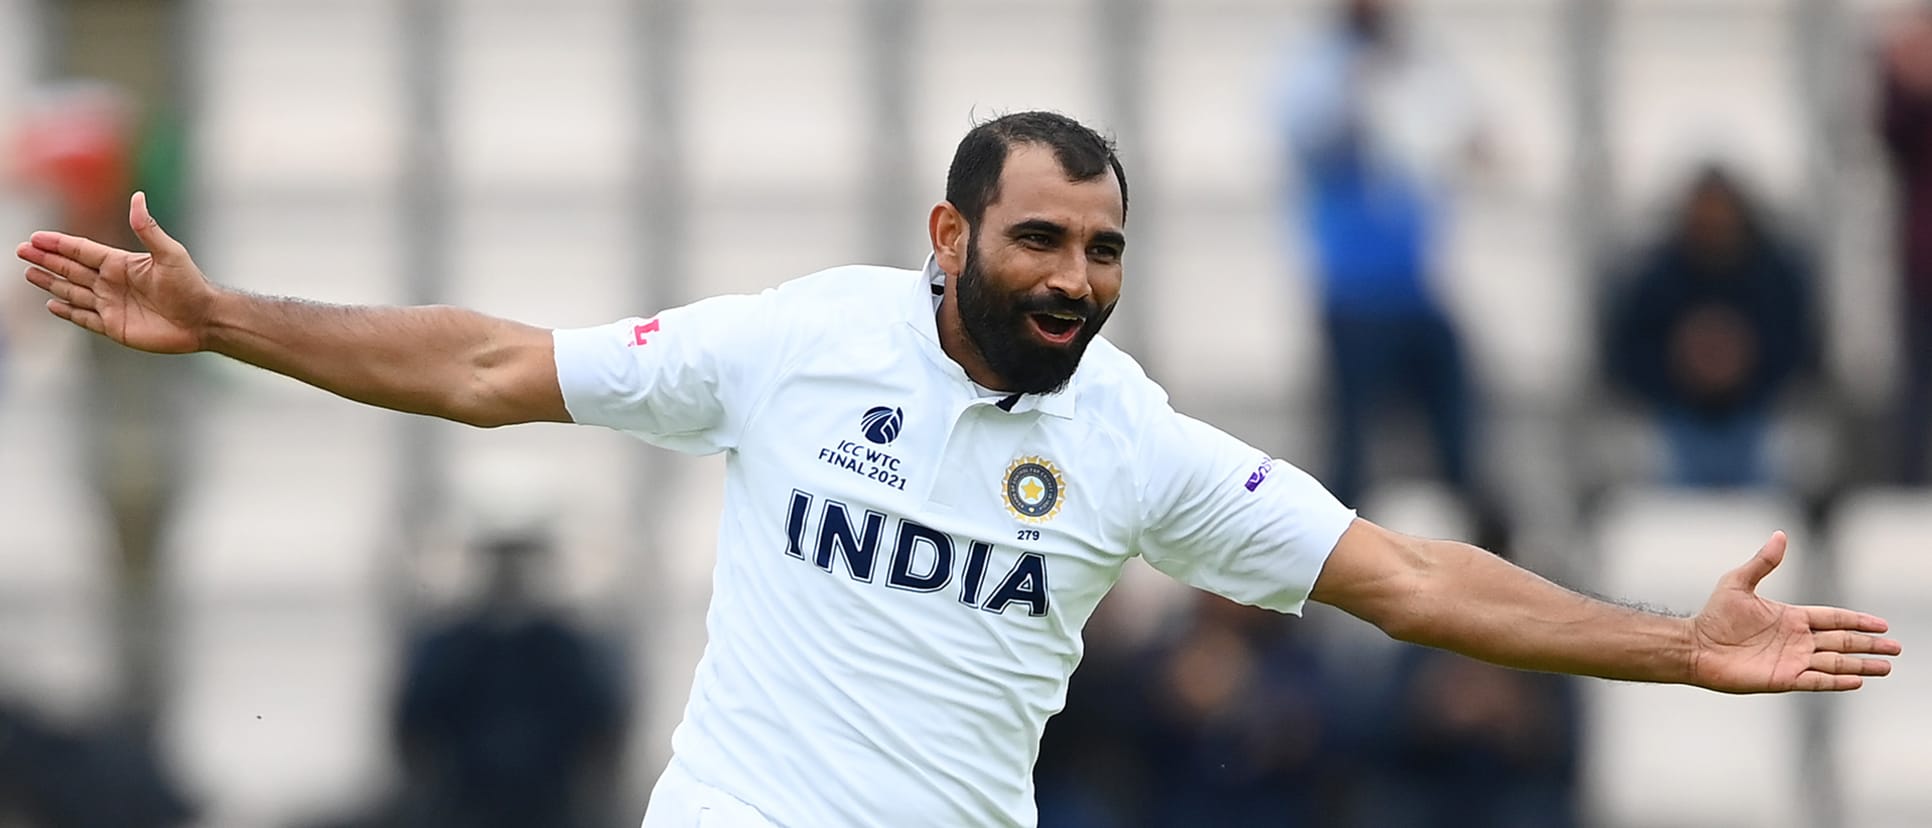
{"x":1475,"y":603}
{"x":440,"y":361}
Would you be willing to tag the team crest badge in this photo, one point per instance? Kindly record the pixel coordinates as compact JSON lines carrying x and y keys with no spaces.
{"x":1034,"y":489}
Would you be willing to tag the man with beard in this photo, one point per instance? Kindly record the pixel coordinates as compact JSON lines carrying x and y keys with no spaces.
{"x":932,"y":477}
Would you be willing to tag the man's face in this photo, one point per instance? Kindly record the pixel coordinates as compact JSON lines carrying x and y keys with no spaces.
{"x":1042,"y":272}
{"x":1369,"y":19}
{"x":1715,"y":222}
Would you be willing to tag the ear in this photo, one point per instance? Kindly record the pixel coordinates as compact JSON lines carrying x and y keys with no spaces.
{"x":950,"y":235}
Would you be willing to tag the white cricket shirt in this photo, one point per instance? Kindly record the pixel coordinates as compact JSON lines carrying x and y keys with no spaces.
{"x":904,"y":565}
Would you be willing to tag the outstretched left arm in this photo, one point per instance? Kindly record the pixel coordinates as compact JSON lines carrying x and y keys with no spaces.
{"x":1461,"y":598}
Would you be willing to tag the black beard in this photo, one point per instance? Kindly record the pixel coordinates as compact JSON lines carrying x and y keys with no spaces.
{"x":998,"y":328}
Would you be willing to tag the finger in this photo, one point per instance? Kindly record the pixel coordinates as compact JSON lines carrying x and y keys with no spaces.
{"x":1768,"y":557}
{"x":40,"y":278}
{"x":84,"y":318}
{"x":72,"y":294}
{"x":157,"y":240}
{"x":1842,"y":641}
{"x":1837,"y":618}
{"x":86,"y":251}
{"x":68,"y":269}
{"x":1827,"y":682}
{"x":1839,"y":664}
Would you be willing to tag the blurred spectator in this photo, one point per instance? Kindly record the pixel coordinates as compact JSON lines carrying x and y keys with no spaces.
{"x":1469,"y":744}
{"x":1218,"y":721}
{"x":77,"y":144}
{"x":83,"y":146}
{"x":1716,"y":323}
{"x":509,"y":715}
{"x":107,"y":775}
{"x":1907,"y":129}
{"x":1235,"y":721}
{"x":1475,"y":744}
{"x":1092,"y":771}
{"x":1377,"y":125}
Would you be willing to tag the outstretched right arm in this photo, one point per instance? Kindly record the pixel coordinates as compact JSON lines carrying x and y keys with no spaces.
{"x":441,"y":361}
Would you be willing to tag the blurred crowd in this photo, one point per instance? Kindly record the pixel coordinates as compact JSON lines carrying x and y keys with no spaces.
{"x":507,"y":712}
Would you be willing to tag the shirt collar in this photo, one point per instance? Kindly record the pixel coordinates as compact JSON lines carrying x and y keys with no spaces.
{"x":921,"y":308}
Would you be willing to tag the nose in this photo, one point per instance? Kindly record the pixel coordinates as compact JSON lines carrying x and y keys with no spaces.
{"x":1070,"y":279}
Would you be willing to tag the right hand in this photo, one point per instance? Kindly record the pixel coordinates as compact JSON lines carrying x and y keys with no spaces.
{"x":156,"y":301}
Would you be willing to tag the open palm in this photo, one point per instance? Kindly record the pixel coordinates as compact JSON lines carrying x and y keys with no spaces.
{"x":155,"y":301}
{"x":1746,"y":643}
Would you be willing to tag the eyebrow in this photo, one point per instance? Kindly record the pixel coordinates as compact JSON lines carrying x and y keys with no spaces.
{"x":1113,"y":238}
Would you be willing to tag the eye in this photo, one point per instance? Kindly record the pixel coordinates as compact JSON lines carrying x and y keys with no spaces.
{"x":1038,"y":240}
{"x":1104,"y":253}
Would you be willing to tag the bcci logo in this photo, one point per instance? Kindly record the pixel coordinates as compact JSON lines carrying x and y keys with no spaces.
{"x":1034,"y":488}
{"x":881,"y":424}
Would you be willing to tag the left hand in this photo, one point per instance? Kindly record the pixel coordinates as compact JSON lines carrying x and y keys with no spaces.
{"x":1745,"y":643}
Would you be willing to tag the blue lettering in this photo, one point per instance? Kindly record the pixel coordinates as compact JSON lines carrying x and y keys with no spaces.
{"x":975,"y":573}
{"x":911,"y":536}
{"x":1026,"y":583}
{"x":922,"y":557}
{"x":835,"y":534}
{"x":795,"y":524}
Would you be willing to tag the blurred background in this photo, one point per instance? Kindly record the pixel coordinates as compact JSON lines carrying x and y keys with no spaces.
{"x":1614,"y":287}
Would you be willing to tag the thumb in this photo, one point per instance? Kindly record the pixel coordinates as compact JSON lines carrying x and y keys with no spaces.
{"x":157,"y":240}
{"x":1768,"y":557}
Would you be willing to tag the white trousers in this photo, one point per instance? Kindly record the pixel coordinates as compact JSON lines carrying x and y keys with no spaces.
{"x":679,"y":801}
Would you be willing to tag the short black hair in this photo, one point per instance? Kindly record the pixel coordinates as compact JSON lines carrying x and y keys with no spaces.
{"x":974,"y":179}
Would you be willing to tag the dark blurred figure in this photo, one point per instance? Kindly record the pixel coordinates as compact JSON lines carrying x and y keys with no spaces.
{"x":1475,"y":744}
{"x":1377,"y":126}
{"x":510,"y":716}
{"x":1715,"y":325}
{"x":1092,"y":771}
{"x":1218,"y":721}
{"x":1235,"y":722}
{"x":106,"y":776}
{"x":83,"y":146}
{"x":1906,"y":112}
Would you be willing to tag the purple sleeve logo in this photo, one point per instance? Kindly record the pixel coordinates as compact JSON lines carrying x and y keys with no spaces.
{"x":1260,"y":474}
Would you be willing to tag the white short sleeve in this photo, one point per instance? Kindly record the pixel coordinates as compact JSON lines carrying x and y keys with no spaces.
{"x":1222,"y":516}
{"x":684,"y":379}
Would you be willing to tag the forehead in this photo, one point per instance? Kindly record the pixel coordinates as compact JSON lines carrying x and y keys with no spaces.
{"x":1033,"y":185}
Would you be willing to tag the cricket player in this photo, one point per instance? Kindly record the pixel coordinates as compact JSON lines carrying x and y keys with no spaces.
{"x":933,"y":476}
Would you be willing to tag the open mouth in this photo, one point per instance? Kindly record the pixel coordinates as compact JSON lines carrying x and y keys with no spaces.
{"x":1057,"y":328}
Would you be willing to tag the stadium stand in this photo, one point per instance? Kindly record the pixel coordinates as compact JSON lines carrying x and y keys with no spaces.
{"x":56,"y":633}
{"x":277,"y":567}
{"x":541,"y":104}
{"x":56,"y":584}
{"x":776,"y":101}
{"x":1880,"y":733}
{"x":285,"y":539}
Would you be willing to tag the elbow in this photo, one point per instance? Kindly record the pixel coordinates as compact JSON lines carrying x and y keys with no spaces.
{"x":509,"y":384}
{"x":1410,"y":612}
{"x":1405,"y":624}
{"x":486,"y":420}
{"x":480,"y":405}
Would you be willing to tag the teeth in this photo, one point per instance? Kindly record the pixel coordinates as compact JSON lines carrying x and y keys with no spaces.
{"x":1070,"y":317}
